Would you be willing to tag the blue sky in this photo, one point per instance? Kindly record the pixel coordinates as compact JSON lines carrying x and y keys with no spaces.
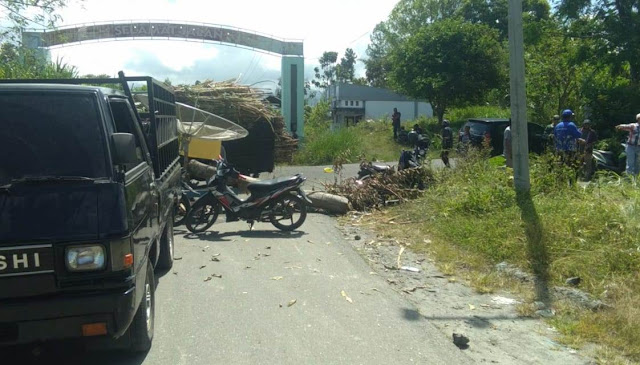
{"x":322,"y":25}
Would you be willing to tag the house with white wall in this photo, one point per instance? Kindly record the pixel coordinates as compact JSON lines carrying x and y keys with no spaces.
{"x":353,"y":103}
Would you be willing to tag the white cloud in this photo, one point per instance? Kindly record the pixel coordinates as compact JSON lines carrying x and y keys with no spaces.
{"x":328,"y":25}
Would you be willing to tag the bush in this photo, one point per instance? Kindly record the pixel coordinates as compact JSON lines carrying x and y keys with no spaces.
{"x":325,"y":145}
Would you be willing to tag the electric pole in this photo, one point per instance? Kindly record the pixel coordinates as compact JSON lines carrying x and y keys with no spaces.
{"x":520,"y":142}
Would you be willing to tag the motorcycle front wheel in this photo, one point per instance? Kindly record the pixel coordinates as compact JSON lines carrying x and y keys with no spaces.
{"x":180,"y":211}
{"x":203,"y":214}
{"x":288,"y":212}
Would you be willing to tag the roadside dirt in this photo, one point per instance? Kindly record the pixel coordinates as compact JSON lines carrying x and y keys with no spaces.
{"x":496,"y":333}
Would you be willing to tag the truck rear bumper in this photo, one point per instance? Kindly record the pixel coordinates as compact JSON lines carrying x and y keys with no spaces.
{"x":34,"y":320}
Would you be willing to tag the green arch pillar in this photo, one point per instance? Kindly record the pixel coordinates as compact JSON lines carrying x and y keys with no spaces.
{"x":293,"y":94}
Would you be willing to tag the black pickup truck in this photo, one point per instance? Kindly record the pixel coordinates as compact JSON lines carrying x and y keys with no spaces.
{"x":87,"y":189}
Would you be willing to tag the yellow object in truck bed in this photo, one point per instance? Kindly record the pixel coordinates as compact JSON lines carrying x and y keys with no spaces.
{"x":207,"y":149}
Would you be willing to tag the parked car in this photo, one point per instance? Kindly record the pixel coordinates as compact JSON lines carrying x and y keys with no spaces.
{"x":493,"y":128}
{"x":87,"y":194}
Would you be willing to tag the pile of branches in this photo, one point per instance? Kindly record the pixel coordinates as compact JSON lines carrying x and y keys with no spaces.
{"x":240,"y":104}
{"x":383,"y":188}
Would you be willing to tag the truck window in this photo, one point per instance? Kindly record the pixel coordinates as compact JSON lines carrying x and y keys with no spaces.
{"x":125,"y":123}
{"x":50,"y":134}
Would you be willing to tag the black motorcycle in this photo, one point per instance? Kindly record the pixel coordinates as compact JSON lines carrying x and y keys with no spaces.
{"x":368,"y":169}
{"x":279,"y":201}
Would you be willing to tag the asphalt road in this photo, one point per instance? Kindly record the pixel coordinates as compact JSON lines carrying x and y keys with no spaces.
{"x":301,"y":298}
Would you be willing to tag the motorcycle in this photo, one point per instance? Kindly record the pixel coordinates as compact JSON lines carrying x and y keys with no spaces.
{"x":608,"y":161}
{"x":279,"y":201}
{"x":368,"y":169}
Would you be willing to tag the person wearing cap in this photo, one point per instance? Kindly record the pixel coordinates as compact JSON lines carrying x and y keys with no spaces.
{"x":447,"y":142}
{"x":588,"y":140}
{"x":633,"y":146}
{"x":565,"y":135}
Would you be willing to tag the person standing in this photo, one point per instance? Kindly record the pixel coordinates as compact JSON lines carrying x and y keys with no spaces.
{"x":548,"y":130}
{"x":507,"y":150}
{"x":447,"y":142}
{"x":633,"y":146}
{"x":465,"y":139}
{"x":565,"y":135}
{"x":395,"y":122}
{"x":589,"y":138}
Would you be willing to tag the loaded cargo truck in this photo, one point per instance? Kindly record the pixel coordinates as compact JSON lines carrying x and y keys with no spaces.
{"x":87,"y":190}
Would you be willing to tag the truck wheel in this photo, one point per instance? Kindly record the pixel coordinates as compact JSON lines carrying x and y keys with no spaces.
{"x":165,"y":261}
{"x":141,"y":329}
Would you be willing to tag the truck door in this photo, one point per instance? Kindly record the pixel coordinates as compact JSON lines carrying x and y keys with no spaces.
{"x":140,"y":192}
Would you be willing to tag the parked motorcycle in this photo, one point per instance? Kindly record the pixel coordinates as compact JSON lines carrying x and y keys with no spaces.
{"x":279,"y":201}
{"x":608,"y":161}
{"x":368,"y":169}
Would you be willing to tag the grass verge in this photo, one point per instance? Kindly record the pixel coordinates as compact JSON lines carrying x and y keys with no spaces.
{"x":471,"y":219}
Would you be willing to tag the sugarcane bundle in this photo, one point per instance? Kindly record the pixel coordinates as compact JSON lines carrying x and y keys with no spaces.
{"x":381,"y":188}
{"x":242,"y":104}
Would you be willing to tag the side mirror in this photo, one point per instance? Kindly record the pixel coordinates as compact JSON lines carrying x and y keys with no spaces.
{"x":124,"y":148}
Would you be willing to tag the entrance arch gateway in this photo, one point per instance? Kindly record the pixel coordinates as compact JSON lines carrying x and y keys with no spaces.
{"x":291,"y":52}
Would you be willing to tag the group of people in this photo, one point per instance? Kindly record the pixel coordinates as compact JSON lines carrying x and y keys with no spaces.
{"x":573,"y":145}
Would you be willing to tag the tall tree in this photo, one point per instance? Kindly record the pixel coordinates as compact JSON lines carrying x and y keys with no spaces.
{"x":615,"y":22}
{"x":450,"y":63}
{"x":346,"y":70}
{"x":326,"y":73}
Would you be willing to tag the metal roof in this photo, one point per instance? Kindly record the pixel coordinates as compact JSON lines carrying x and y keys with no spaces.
{"x":367,"y":93}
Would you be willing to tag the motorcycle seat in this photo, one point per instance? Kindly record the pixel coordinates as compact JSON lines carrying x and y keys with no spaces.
{"x":272,"y":184}
{"x":380,"y":168}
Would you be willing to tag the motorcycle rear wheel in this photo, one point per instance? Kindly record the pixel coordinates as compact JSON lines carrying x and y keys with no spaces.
{"x":203,"y":214}
{"x":288,"y":212}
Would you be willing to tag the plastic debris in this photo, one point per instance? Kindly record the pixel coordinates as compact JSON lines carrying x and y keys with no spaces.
{"x":504,"y":301}
{"x":410,"y":268}
{"x":292,"y":302}
{"x":277,"y":278}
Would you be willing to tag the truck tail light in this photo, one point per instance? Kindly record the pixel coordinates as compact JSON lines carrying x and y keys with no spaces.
{"x":94,"y":329}
{"x":128,"y":260}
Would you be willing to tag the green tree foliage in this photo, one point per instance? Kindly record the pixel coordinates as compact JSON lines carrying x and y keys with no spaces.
{"x":615,"y":23}
{"x":326,"y":73}
{"x":346,"y":70}
{"x":22,"y":14}
{"x":22,"y":63}
{"x":450,"y":63}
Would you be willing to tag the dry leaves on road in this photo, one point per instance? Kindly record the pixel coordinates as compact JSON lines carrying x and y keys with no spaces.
{"x":292,"y":302}
{"x":346,"y":297}
{"x":277,"y":278}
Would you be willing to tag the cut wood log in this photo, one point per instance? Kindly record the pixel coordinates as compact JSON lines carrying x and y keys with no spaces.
{"x":200,"y":171}
{"x":329,"y":202}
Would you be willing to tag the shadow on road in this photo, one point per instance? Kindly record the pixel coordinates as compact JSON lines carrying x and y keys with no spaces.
{"x":536,"y":247}
{"x":67,"y":353}
{"x":216,"y":236}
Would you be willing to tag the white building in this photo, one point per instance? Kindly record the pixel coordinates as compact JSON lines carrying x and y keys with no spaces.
{"x":353,"y":103}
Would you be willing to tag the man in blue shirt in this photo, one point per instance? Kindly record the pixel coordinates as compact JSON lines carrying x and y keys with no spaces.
{"x":565,"y":136}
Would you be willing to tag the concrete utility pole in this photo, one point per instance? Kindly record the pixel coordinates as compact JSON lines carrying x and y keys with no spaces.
{"x":520,"y":142}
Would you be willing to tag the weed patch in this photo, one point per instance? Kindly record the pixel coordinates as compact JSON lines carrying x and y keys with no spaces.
{"x":473,"y":220}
